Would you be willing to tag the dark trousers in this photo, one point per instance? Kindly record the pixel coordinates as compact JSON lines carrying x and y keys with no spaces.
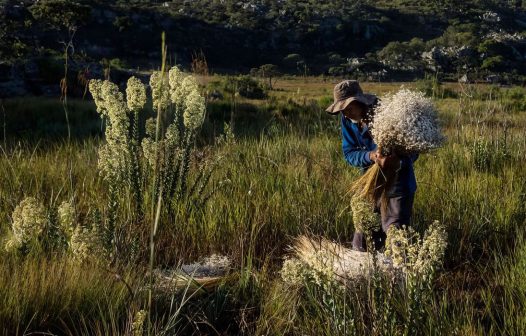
{"x":398,"y":212}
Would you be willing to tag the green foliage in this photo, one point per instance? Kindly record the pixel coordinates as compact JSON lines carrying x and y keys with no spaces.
{"x":122,"y":23}
{"x":61,"y":13}
{"x":114,"y":63}
{"x":306,"y":37}
{"x":403,"y":54}
{"x":458,"y":35}
{"x":13,"y":45}
{"x":493,"y":63}
{"x":432,"y":87}
{"x":245,"y":86}
{"x":268,"y":71}
{"x":294,"y":61}
{"x":489,"y":156}
{"x":336,"y":71}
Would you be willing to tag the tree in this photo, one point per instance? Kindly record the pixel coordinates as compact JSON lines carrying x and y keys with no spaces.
{"x":293,"y":62}
{"x":494,"y":63}
{"x":269,"y":71}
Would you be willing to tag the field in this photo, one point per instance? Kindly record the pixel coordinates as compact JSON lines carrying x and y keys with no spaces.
{"x":280,"y":176}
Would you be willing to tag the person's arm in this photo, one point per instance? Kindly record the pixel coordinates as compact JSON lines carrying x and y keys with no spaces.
{"x":353,"y":153}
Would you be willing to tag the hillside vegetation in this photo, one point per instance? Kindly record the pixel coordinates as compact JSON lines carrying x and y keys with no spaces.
{"x":379,"y":40}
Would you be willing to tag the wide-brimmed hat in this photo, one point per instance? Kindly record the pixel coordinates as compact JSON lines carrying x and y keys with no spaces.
{"x":346,"y":92}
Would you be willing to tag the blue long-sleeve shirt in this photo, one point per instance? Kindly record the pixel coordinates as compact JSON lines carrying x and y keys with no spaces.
{"x":357,"y":144}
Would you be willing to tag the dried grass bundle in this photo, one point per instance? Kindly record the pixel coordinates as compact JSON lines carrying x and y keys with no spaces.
{"x":320,"y":260}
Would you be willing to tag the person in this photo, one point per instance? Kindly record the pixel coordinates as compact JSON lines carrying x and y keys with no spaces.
{"x":359,"y":149}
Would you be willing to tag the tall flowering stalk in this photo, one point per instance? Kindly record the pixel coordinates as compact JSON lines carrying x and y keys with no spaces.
{"x":161,"y":158}
{"x":136,"y":99}
{"x":419,"y":259}
{"x":116,"y":157}
{"x":184,"y":109}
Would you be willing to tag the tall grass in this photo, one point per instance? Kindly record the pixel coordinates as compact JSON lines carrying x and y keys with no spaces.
{"x":286,"y":177}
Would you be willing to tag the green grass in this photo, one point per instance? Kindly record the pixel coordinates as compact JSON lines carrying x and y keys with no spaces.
{"x":287,"y":177}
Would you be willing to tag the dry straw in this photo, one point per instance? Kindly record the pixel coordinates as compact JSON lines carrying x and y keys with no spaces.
{"x":322,"y":262}
{"x":407,"y":254}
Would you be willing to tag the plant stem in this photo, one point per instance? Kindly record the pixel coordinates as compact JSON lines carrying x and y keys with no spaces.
{"x":4,"y":124}
{"x":155,"y":222}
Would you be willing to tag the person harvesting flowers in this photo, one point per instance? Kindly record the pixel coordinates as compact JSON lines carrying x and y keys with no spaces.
{"x":384,"y":139}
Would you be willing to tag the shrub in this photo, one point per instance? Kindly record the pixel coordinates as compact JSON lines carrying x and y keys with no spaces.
{"x":245,"y":86}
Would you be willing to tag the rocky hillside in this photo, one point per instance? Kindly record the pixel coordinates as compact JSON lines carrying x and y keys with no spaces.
{"x":376,"y":40}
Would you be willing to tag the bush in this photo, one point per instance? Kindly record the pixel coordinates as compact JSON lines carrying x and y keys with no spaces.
{"x":245,"y":85}
{"x":432,"y":87}
{"x":336,"y":71}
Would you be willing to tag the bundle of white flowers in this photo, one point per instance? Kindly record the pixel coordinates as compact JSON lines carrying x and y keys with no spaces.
{"x":29,"y":221}
{"x":403,"y":123}
{"x":406,"y":122}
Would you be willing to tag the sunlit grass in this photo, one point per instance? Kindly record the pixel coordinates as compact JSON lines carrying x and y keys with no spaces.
{"x":287,"y":177}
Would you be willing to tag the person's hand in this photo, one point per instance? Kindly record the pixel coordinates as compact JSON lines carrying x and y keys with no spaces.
{"x":373,"y":155}
{"x":391,"y":161}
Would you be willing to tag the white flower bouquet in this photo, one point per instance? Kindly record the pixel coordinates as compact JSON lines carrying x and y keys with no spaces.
{"x":404,"y":123}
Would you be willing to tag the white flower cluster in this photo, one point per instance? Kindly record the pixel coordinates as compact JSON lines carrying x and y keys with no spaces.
{"x":183,"y":92}
{"x":402,"y":247}
{"x":406,"y":122}
{"x":114,"y":155}
{"x":135,"y":94}
{"x":84,"y":244}
{"x":316,"y":269}
{"x":363,"y":215}
{"x":160,"y":91}
{"x":67,"y":218}
{"x":166,"y":89}
{"x":29,"y":221}
{"x":432,"y":249}
{"x":194,"y":110}
{"x":148,"y":143}
{"x":176,"y":78}
{"x":138,"y":322}
{"x":415,"y":256}
{"x":293,"y":271}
